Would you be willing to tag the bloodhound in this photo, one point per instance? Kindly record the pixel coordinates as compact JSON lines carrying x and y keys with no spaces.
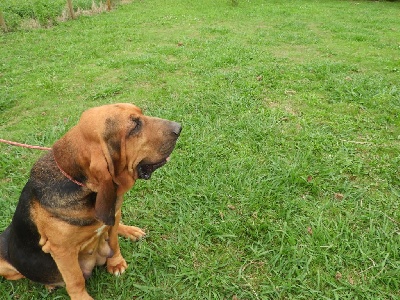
{"x":68,"y":216}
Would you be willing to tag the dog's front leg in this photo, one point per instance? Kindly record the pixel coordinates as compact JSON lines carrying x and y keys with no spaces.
{"x":116,"y":264}
{"x":131,"y":232}
{"x":68,"y":265}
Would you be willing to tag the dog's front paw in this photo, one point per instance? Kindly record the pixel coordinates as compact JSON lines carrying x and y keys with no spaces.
{"x":116,"y":265}
{"x":131,"y":232}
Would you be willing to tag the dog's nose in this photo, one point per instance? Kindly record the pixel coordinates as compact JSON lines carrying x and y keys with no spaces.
{"x":176,"y":128}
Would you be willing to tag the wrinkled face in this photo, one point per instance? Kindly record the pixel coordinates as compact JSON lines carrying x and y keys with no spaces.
{"x":134,"y":143}
{"x":155,"y":138}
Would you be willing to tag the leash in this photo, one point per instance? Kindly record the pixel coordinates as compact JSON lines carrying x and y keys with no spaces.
{"x":24,"y":145}
{"x":44,"y":149}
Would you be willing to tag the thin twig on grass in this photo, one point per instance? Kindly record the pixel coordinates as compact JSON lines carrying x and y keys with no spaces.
{"x":245,"y":279}
{"x":357,"y":142}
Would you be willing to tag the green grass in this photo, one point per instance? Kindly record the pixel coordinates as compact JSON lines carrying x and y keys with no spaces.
{"x":285,"y":181}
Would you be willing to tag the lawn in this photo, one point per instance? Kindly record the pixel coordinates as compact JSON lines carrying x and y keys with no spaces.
{"x":285,"y":181}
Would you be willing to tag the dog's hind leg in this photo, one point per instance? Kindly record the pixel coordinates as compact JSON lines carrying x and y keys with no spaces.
{"x":8,"y":271}
{"x":68,"y":265}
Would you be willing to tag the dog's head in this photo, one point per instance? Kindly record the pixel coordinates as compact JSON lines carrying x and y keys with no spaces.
{"x":115,"y":145}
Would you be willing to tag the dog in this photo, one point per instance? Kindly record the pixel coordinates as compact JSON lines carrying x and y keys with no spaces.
{"x":68,"y":216}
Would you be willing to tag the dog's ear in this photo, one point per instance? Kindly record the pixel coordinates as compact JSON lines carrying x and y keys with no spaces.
{"x":106,"y":190}
{"x":105,"y":202}
{"x":109,"y":164}
{"x":113,"y":144}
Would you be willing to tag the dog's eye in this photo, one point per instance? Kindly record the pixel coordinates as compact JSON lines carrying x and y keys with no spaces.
{"x":135,"y":126}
